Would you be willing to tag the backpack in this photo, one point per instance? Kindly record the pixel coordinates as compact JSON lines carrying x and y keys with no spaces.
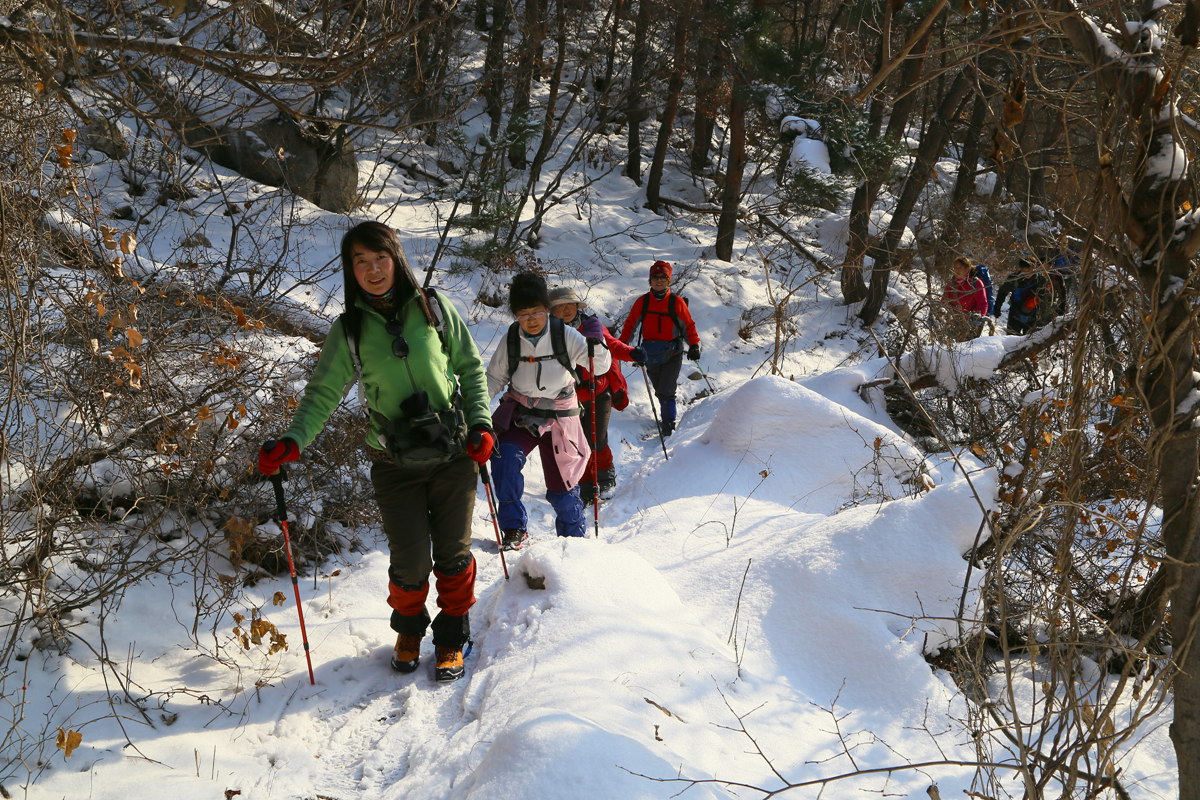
{"x":558,"y":347}
{"x":981,"y":271}
{"x":673,"y":313}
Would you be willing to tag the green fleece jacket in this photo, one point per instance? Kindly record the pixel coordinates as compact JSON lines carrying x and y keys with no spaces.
{"x":385,"y":380}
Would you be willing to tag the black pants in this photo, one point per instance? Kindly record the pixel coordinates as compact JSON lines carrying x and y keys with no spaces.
{"x":603,"y":403}
{"x":427,"y":519}
{"x":664,"y":378}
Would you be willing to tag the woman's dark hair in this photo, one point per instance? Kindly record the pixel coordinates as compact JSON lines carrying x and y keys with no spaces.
{"x":377,"y":237}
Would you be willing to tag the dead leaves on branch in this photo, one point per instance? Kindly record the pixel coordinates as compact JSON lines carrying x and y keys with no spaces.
{"x":259,"y":631}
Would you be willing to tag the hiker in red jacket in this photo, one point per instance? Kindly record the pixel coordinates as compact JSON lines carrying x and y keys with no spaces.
{"x":610,"y":389}
{"x":965,"y":292}
{"x":666,"y":324}
{"x":966,"y":298}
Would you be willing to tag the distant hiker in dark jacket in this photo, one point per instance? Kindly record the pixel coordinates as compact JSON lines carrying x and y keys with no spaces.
{"x":666,"y":324}
{"x":1029,"y":294}
{"x":423,"y":383}
{"x":536,"y":366}
{"x":610,"y":390}
{"x":966,"y":297}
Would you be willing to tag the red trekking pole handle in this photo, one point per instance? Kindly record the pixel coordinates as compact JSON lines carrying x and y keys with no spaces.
{"x":487,"y":490}
{"x":281,"y":509}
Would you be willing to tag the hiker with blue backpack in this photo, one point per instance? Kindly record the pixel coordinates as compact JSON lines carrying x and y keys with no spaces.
{"x":536,"y":368}
{"x":1030,"y":298}
{"x":665,"y":325}
{"x":423,"y":384}
{"x":966,"y":297}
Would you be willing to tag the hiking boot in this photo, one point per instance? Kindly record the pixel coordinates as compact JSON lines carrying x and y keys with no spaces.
{"x":407,"y":652}
{"x":608,"y":480}
{"x":514,"y":539}
{"x":587,"y":493}
{"x":449,"y":664}
{"x":668,"y":427}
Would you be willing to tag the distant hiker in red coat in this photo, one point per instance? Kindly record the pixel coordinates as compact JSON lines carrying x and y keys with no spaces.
{"x":610,"y":389}
{"x":966,"y":296}
{"x":666,"y":323}
{"x":965,"y":292}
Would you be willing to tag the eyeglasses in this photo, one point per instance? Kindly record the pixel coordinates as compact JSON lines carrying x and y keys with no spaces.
{"x":659,"y":277}
{"x":399,"y":344}
{"x":532,"y":315}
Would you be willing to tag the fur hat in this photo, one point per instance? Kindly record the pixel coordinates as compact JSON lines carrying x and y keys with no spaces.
{"x":528,"y":290}
{"x":561,"y":295}
{"x":660,"y":268}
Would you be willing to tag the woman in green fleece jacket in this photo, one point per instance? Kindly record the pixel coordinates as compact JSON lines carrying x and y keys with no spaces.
{"x":424,"y":385}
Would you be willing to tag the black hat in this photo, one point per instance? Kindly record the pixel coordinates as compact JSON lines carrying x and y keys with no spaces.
{"x":528,"y":290}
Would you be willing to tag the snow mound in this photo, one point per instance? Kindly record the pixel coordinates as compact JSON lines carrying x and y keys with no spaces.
{"x":568,"y":679}
{"x":816,"y":452}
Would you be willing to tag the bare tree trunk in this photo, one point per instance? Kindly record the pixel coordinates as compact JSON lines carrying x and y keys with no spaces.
{"x":932,"y":144}
{"x":853,"y":286}
{"x":636,"y":104}
{"x":667,"y":124}
{"x":735,"y":168}
{"x":1166,"y":247}
{"x":550,"y":124}
{"x":706,"y":80}
{"x":533,"y":31}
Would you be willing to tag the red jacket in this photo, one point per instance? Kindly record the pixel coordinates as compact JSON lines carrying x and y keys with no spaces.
{"x":658,"y":325}
{"x":967,"y":295}
{"x":613,"y":380}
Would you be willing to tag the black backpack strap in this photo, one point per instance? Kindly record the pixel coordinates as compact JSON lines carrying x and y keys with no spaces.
{"x":558,"y":344}
{"x":513,"y":343}
{"x":439,"y":317}
{"x":349,"y":321}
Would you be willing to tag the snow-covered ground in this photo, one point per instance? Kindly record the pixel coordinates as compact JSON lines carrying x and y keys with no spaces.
{"x":753,"y":613}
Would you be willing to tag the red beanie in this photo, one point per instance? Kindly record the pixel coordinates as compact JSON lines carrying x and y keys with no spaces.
{"x":660,"y":268}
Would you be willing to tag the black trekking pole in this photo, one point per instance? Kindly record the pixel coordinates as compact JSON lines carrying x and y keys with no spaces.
{"x":487,"y":490}
{"x":654,"y":410}
{"x":281,"y":508}
{"x":595,"y":455}
{"x":704,"y":375}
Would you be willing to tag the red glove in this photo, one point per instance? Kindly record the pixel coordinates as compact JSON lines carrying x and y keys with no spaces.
{"x":480,"y":444}
{"x":274,"y":453}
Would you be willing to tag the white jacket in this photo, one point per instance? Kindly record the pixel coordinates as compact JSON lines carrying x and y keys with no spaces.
{"x":545,"y":378}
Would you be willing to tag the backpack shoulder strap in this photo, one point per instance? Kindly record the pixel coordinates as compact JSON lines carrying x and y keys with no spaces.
{"x":513,"y":343}
{"x":439,"y":316}
{"x":645,"y":301}
{"x":558,"y":344}
{"x":348,"y":322}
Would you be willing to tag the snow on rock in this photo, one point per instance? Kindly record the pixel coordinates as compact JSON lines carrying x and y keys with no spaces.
{"x":806,"y":152}
{"x":834,"y":231}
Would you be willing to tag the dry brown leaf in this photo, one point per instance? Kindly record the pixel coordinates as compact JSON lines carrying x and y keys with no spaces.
{"x":67,"y":741}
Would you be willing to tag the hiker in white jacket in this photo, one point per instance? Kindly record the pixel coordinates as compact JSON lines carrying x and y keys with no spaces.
{"x":536,"y":363}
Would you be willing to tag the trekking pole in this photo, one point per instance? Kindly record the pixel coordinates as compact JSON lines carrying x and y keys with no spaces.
{"x":595,"y":455}
{"x":281,"y":509}
{"x":704,"y":375}
{"x":487,"y":490}
{"x":654,"y":409}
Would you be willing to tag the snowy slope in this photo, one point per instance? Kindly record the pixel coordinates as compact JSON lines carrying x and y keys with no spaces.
{"x":755,"y":611}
